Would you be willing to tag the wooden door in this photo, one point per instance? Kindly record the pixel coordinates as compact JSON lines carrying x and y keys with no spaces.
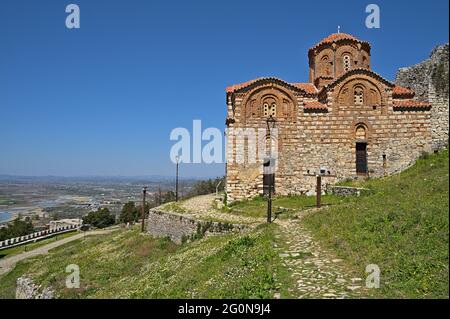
{"x":361,"y":158}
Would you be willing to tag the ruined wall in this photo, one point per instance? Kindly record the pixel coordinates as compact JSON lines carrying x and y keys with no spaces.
{"x":180,"y":228}
{"x":429,"y":80}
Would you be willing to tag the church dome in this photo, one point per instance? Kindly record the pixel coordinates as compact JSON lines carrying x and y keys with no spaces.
{"x":336,"y":37}
{"x":336,"y":54}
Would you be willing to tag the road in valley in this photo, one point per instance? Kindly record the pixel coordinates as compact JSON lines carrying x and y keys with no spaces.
{"x":8,"y":263}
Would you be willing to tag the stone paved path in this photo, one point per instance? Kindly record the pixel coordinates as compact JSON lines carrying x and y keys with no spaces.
{"x":316,"y":272}
{"x":8,"y":263}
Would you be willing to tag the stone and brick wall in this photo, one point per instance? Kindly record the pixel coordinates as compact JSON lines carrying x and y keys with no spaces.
{"x":180,"y":228}
{"x":327,"y":139}
{"x":321,"y":129}
{"x":429,"y":80}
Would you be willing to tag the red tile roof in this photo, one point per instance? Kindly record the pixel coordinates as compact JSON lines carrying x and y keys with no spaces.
{"x":334,"y":37}
{"x":309,"y":88}
{"x":356,"y":71}
{"x":315,"y":105}
{"x":337,"y":36}
{"x":238,"y":86}
{"x":400,"y":91}
{"x":411,"y":104}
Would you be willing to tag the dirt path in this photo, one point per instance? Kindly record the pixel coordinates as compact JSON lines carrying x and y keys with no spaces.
{"x":8,"y":263}
{"x":202,"y":207}
{"x":317,"y":273}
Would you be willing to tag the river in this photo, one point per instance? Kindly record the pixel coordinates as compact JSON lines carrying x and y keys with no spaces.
{"x":5,"y":216}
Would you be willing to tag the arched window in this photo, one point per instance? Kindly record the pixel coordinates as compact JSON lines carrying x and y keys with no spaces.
{"x":358,"y":96}
{"x":360,"y":132}
{"x":326,"y":65}
{"x":364,"y":61}
{"x":347,"y":62}
{"x":270,"y":109}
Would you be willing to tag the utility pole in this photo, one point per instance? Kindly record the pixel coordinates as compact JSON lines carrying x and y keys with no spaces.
{"x":159,"y":196}
{"x":144,"y":192}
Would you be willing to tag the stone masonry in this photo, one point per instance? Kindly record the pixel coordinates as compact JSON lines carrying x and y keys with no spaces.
{"x":180,"y":228}
{"x":429,"y":79}
{"x":347,"y":119}
{"x":27,"y":289}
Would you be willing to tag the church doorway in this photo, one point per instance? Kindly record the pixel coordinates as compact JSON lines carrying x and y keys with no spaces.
{"x":361,"y":158}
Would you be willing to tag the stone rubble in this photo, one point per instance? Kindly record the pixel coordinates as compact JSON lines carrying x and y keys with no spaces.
{"x":27,"y":289}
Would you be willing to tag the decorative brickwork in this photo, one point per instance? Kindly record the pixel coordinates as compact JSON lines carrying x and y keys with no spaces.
{"x":320,"y":127}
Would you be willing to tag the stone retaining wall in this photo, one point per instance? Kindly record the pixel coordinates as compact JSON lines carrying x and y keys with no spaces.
{"x":180,"y":228}
{"x":429,"y":80}
{"x":347,"y":191}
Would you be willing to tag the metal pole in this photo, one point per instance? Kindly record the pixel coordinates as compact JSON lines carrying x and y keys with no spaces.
{"x":176,"y":185}
{"x":318,"y":191}
{"x":144,"y":192}
{"x":269,"y":204}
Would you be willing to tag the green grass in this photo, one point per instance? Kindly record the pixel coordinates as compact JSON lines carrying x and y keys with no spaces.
{"x":7,"y":202}
{"x":174,"y":207}
{"x":257,"y":207}
{"x":403,"y":228}
{"x":33,"y":245}
{"x":127,"y":264}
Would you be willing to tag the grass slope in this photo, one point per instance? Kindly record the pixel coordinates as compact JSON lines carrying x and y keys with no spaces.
{"x":284,"y":206}
{"x":403,"y":228}
{"x":127,"y":264}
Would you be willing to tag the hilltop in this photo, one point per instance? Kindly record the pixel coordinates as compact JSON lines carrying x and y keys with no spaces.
{"x":401,"y":226}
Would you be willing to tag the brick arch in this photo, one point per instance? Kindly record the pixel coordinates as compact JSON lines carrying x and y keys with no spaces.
{"x":324,"y":67}
{"x":252,"y":104}
{"x":370,"y":86}
{"x":361,"y":123}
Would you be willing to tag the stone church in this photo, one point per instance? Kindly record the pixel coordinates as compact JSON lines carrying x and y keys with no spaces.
{"x":347,"y":120}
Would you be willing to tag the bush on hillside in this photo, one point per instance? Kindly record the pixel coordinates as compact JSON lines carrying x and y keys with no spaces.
{"x":100,"y":218}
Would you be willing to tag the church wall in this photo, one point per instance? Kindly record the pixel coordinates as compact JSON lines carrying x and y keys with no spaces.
{"x":321,"y":129}
{"x":316,"y":140}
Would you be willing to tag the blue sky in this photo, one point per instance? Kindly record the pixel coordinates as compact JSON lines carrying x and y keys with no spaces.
{"x":103,"y":99}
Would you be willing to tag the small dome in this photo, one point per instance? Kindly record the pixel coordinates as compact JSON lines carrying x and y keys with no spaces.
{"x":337,"y":37}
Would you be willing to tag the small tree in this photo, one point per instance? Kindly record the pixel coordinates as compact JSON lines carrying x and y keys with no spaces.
{"x":17,"y":228}
{"x":129,"y":213}
{"x":100,"y":218}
